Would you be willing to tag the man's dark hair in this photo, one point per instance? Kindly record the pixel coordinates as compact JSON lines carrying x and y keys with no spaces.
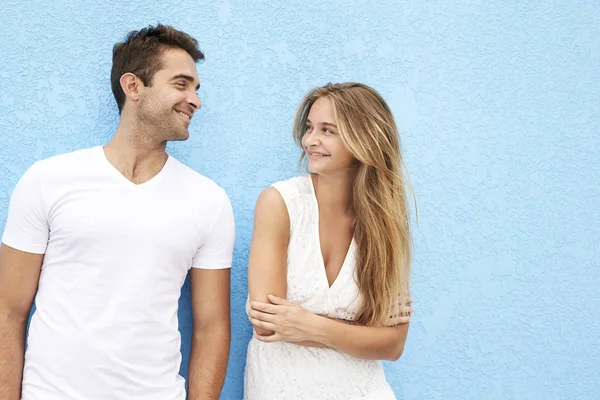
{"x":140,"y":54}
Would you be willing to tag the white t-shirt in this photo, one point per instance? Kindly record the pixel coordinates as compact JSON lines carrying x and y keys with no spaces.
{"x":116,"y":257}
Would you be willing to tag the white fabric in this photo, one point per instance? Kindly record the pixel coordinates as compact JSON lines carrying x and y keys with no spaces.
{"x":287,"y":371}
{"x":116,"y":256}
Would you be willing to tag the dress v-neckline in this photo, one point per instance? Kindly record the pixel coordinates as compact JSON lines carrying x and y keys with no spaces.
{"x":321,"y":258}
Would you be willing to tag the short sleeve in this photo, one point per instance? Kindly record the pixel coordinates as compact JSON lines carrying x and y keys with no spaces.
{"x":27,"y":227}
{"x":287,"y":190}
{"x":217,"y":250}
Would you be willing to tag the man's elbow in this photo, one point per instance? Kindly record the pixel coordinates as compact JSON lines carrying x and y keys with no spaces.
{"x":214,"y":329}
{"x":13,"y":316}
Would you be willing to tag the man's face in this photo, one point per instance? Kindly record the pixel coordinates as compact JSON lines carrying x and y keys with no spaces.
{"x":168,"y":105}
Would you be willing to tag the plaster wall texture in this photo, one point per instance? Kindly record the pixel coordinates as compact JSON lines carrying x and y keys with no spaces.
{"x":498,"y":106}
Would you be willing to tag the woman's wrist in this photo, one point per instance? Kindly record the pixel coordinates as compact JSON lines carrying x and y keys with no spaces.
{"x":325,"y":329}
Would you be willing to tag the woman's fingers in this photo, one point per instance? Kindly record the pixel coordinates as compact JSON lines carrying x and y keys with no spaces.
{"x":264,"y":307}
{"x":278,"y":300}
{"x":257,"y":323}
{"x":269,"y":339}
{"x":262,"y":316}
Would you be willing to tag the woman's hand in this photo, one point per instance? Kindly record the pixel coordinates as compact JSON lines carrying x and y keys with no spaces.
{"x":290,"y":322}
{"x":403,"y":314}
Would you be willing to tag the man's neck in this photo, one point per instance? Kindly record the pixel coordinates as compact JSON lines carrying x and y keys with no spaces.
{"x":137,"y":157}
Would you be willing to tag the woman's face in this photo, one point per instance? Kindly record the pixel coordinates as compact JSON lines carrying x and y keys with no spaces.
{"x":322,"y":142}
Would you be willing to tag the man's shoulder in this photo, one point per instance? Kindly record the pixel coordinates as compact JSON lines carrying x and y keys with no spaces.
{"x":66,"y":160}
{"x":198,"y":183}
{"x":61,"y":163}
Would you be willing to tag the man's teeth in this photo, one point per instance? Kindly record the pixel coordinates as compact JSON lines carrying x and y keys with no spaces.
{"x":184,"y":114}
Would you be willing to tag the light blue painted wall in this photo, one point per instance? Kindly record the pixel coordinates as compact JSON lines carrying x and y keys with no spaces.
{"x":498,"y":104}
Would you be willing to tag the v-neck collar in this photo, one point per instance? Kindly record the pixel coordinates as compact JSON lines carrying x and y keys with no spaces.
{"x":118,"y":175}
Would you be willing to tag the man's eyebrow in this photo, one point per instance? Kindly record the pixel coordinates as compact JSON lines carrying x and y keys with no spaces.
{"x":186,"y":77}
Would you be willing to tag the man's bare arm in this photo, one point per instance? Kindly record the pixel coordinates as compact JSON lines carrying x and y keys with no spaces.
{"x":211,"y":335}
{"x":19,"y":276}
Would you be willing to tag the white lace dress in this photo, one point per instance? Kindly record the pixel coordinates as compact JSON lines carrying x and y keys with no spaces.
{"x":282,"y":371}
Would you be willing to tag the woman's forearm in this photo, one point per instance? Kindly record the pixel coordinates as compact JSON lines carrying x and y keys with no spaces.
{"x":368,"y":343}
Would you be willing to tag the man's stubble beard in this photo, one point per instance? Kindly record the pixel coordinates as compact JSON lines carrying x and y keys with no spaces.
{"x":161,"y":125}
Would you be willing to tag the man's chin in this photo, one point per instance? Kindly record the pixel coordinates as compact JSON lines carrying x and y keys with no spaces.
{"x":179,"y":136}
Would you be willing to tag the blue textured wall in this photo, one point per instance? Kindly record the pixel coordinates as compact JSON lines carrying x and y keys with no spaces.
{"x":498,"y":104}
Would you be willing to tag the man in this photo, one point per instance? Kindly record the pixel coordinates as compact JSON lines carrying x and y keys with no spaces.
{"x":106,"y":236}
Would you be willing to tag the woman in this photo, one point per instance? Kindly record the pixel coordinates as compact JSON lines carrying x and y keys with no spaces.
{"x":336,"y":245}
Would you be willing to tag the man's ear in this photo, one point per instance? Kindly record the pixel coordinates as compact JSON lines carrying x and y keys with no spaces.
{"x":131,"y":86}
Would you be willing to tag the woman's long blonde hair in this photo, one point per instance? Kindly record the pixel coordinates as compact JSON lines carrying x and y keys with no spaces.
{"x":379,"y":200}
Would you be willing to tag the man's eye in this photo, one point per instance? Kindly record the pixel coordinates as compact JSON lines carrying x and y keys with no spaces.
{"x":181,"y":84}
